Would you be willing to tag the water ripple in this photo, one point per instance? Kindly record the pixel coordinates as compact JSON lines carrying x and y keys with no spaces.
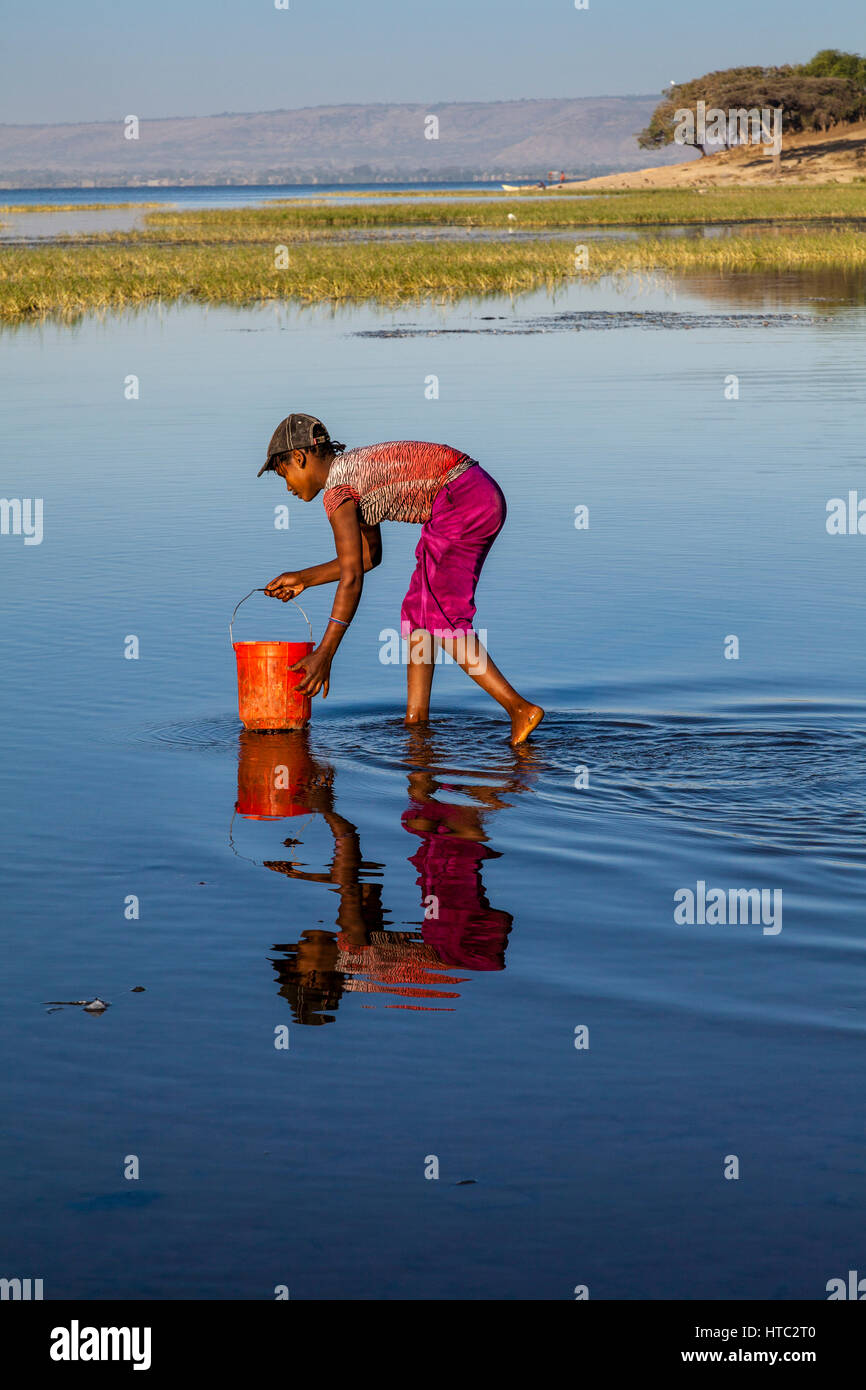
{"x":794,"y":784}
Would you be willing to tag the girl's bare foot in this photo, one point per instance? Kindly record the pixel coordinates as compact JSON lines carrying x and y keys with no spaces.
{"x":524,"y":719}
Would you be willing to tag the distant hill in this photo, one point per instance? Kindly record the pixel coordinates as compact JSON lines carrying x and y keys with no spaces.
{"x":584,"y":136}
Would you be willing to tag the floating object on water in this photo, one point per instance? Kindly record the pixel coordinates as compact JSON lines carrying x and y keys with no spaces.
{"x":267,"y":695}
{"x":90,"y":1006}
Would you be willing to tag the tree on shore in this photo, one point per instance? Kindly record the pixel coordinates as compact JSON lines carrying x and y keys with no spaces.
{"x":831,"y":62}
{"x":827,"y":91}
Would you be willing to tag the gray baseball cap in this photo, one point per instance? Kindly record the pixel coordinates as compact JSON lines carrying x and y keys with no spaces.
{"x":296,"y":432}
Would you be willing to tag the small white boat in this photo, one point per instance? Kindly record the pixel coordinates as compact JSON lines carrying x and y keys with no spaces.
{"x":512,"y":187}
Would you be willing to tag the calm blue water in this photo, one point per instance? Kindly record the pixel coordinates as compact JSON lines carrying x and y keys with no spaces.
{"x":42,"y":224}
{"x":217,"y":195}
{"x":305,"y":1167}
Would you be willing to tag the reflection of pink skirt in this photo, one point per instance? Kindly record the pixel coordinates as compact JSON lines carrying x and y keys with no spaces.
{"x":467,"y":932}
{"x":467,"y":516}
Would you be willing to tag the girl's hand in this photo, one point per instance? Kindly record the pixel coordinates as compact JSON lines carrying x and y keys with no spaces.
{"x":317,"y":673}
{"x":286,"y":586}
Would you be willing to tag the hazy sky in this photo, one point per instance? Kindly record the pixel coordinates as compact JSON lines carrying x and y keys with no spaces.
{"x":95,"y":60}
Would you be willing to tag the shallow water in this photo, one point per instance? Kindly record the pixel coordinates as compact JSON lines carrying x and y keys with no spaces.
{"x":217,"y":195}
{"x":35,"y":228}
{"x":86,"y":228}
{"x":306,"y":1167}
{"x":40,"y":224}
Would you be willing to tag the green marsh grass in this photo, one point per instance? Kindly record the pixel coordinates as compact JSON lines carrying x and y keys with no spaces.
{"x":67,"y":281}
{"x":663,"y":207}
{"x":76,"y":207}
{"x":386,"y":191}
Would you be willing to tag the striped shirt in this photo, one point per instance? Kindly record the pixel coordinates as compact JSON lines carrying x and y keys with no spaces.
{"x":393,"y":482}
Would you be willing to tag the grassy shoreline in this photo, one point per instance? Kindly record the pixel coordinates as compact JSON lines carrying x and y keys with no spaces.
{"x":227,"y":256}
{"x":665,"y":207}
{"x":64,"y":283}
{"x":75,"y":207}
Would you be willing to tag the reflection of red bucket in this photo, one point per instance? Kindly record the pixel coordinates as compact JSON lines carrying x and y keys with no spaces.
{"x":274,"y":771}
{"x":267,"y":698}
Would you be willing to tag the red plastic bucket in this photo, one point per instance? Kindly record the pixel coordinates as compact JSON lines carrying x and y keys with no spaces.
{"x":274,"y":774}
{"x":267,"y":696}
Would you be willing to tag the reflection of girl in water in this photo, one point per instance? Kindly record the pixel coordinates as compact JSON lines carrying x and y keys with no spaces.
{"x":459,"y":928}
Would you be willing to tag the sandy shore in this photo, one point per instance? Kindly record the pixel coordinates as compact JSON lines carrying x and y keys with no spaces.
{"x":837,"y":156}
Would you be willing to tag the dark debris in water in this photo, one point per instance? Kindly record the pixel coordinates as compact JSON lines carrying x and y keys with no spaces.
{"x":90,"y":1006}
{"x":599,"y":319}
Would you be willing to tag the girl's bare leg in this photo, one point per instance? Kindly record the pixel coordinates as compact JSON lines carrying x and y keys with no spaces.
{"x":419,"y":676}
{"x":469,"y":653}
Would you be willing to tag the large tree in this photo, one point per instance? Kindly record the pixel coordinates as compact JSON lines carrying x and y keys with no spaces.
{"x":829,"y":90}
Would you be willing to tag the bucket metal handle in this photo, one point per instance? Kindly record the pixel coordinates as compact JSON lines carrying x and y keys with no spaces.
{"x":261,"y":591}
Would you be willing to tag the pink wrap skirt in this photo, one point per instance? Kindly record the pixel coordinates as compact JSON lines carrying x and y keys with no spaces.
{"x":466,"y":518}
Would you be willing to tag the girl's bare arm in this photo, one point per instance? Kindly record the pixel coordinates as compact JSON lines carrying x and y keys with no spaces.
{"x":346,"y":526}
{"x":294,"y":582}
